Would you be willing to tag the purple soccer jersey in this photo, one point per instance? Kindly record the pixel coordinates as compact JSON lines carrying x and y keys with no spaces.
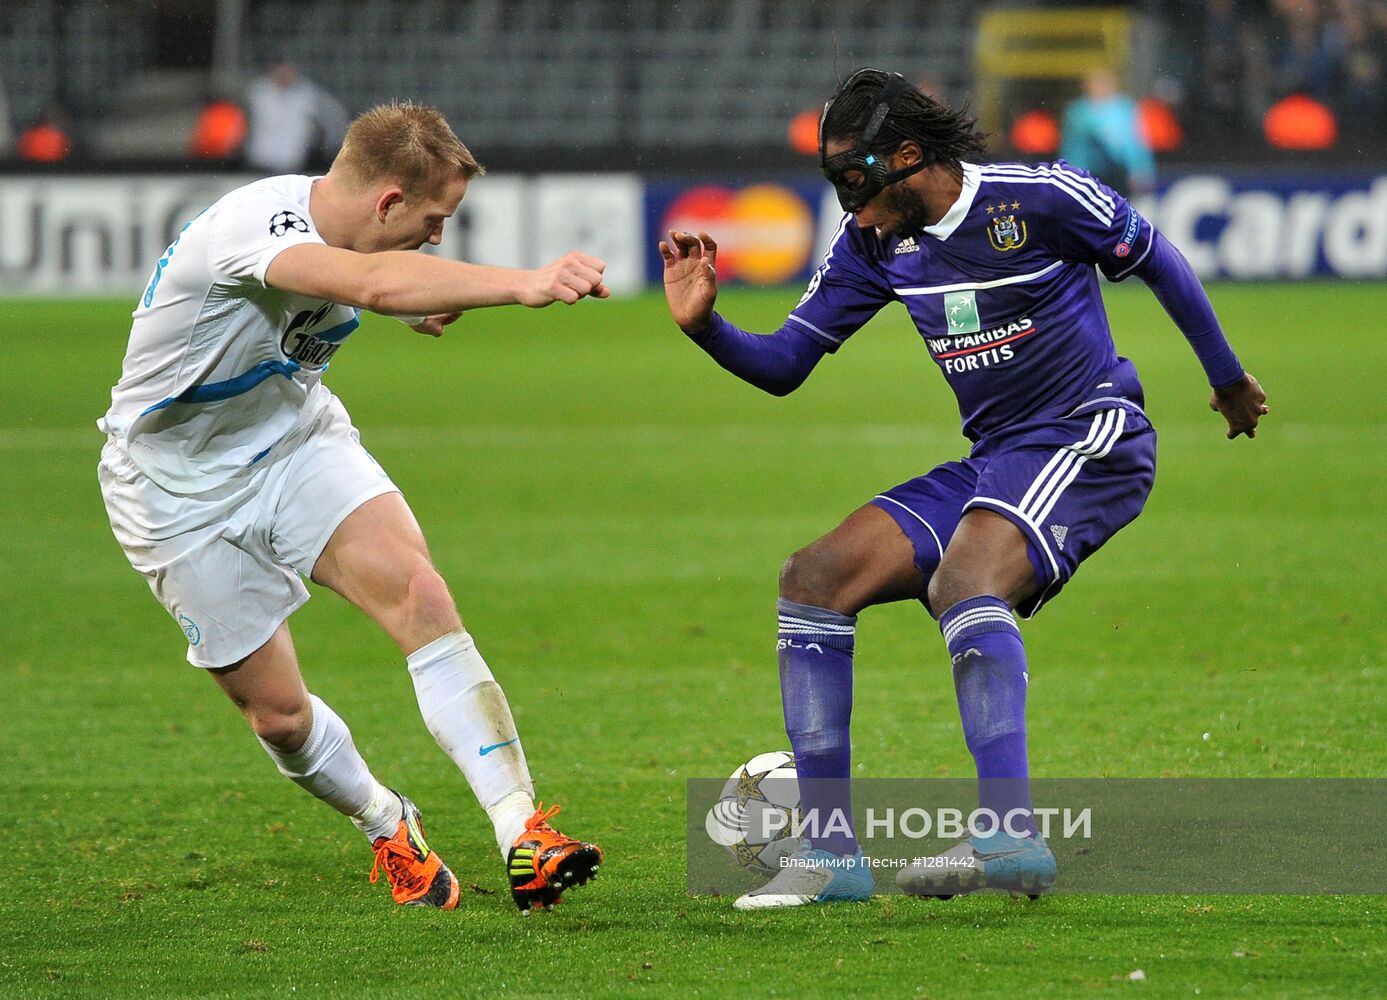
{"x":1002,"y":289}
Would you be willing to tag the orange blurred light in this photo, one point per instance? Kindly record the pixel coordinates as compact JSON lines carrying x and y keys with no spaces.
{"x":804,"y":133}
{"x":1036,"y":133}
{"x":43,"y":144}
{"x":1161,"y":127}
{"x":1300,"y":122}
{"x":219,"y":132}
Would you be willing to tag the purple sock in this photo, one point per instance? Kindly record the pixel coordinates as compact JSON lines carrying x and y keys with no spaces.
{"x":990,"y":683}
{"x":816,"y":691}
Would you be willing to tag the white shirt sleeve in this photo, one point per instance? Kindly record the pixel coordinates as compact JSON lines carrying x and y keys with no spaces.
{"x":248,"y":235}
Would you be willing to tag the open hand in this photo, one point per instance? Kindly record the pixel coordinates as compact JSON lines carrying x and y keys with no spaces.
{"x":691,"y":284}
{"x":1242,"y":405}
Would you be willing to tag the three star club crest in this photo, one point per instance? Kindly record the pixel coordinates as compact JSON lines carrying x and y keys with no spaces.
{"x":1005,"y":231}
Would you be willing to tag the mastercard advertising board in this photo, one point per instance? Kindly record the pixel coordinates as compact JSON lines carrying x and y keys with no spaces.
{"x":767,"y":232}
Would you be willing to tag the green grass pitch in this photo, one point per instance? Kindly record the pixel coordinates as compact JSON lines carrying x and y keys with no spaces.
{"x":611,"y":510}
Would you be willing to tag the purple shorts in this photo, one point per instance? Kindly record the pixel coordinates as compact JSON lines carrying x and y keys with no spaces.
{"x":1069,"y":484}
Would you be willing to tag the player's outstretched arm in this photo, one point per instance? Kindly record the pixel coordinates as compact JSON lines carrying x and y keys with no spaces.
{"x":775,"y":362}
{"x":1237,"y":395}
{"x":400,"y":281}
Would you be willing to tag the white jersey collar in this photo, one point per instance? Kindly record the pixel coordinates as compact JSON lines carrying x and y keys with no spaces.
{"x":944,"y":228}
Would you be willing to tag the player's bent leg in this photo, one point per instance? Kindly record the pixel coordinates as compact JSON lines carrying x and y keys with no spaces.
{"x":865,"y":560}
{"x":987,"y":555}
{"x":984,"y":573}
{"x":268,"y":689}
{"x":312,"y":747}
{"x":378,"y":560}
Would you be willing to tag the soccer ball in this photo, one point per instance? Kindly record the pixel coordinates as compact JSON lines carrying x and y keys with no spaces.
{"x":758,"y":811}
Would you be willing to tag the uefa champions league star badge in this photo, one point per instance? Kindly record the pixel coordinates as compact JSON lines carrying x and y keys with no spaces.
{"x":284,"y":222}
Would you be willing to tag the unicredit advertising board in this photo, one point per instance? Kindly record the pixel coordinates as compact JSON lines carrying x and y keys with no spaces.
{"x":101,"y":235}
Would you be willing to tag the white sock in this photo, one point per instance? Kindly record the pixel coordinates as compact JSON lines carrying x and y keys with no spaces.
{"x":467,"y":713}
{"x":508,"y":818}
{"x":329,"y":767}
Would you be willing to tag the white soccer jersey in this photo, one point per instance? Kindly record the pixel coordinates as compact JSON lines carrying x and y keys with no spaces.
{"x":221,"y":367}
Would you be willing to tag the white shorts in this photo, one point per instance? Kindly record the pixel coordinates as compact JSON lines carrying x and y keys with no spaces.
{"x":227,"y":564}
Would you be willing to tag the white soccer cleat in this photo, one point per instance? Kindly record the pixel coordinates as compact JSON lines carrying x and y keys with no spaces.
{"x":1020,"y":865}
{"x":812,"y":876}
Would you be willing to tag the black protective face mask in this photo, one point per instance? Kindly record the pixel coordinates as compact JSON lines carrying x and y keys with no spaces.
{"x":857,"y":174}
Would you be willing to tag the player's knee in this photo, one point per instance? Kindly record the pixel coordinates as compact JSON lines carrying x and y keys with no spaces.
{"x":947,"y":586}
{"x":429,"y":602}
{"x":810,"y":577}
{"x":285,"y":728}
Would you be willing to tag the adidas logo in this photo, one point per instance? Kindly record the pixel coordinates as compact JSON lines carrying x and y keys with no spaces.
{"x":908,"y":245}
{"x":1060,"y":532}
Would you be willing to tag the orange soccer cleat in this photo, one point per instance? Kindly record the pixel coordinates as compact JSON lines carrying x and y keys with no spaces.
{"x":417,"y":876}
{"x":543,"y":863}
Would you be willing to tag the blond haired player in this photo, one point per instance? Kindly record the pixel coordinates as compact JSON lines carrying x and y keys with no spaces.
{"x":230,"y":471}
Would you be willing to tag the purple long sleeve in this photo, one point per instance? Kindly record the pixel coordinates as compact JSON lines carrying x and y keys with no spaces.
{"x":1177,"y":288}
{"x":774,"y":362}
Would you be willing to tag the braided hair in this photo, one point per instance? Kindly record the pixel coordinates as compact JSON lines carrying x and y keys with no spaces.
{"x":944,"y":135}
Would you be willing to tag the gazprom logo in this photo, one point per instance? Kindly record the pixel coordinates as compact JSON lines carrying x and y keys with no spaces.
{"x":190,"y":629}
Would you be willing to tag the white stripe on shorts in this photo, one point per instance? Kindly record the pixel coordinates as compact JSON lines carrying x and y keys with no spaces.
{"x":928,"y":527}
{"x":1112,"y":431}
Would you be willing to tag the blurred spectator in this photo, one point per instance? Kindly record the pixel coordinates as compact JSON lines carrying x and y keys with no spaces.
{"x":1233,"y":76}
{"x":46,"y":139}
{"x":1363,"y":77}
{"x":219,"y":132}
{"x":1102,"y":133}
{"x":1332,"y":51}
{"x":1310,"y":47}
{"x":294,"y":123}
